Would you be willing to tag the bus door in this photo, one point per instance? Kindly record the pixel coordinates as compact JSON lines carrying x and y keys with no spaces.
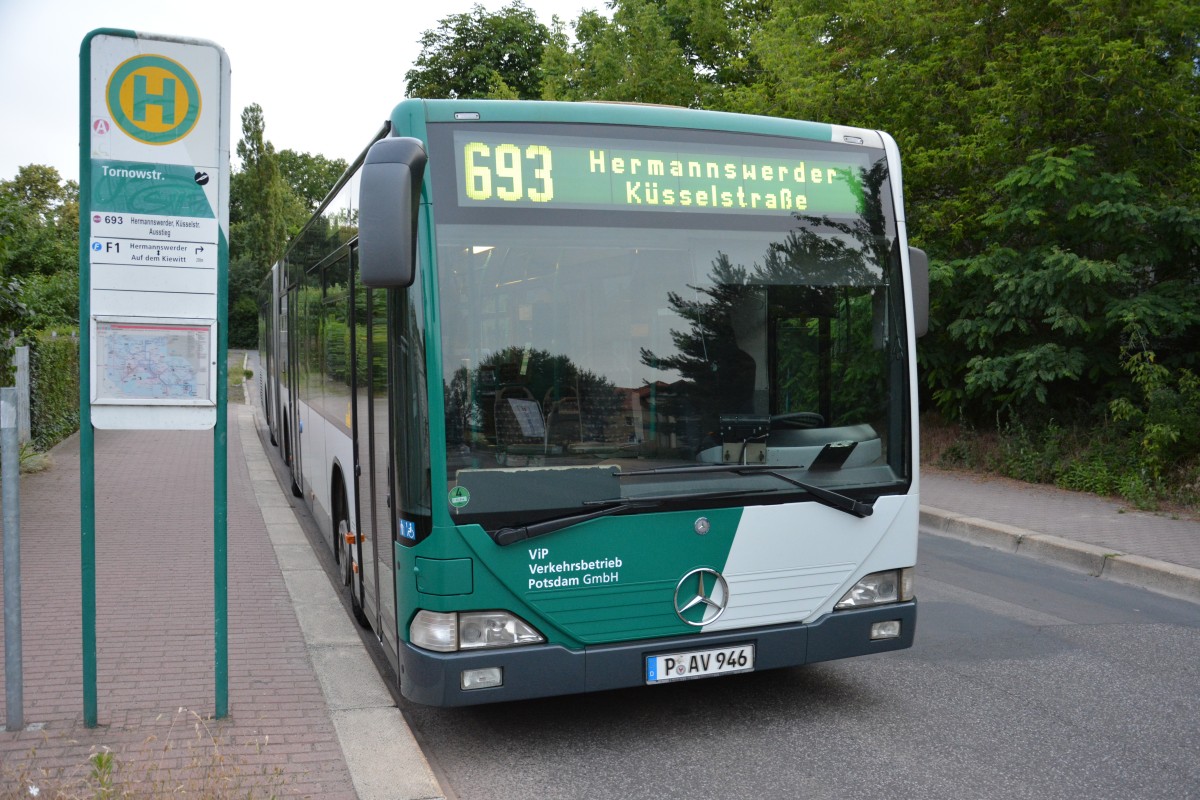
{"x":375,"y":457}
{"x":289,"y":425}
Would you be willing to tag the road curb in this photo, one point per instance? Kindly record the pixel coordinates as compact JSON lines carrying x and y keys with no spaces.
{"x":1147,"y":573}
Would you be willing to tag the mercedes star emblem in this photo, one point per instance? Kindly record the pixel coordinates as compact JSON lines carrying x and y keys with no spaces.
{"x":701,"y":596}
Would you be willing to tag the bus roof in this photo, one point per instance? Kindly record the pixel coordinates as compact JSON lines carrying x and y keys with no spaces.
{"x":606,"y":113}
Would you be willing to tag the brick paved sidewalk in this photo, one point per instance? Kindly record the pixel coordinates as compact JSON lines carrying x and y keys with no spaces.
{"x":156,"y":691}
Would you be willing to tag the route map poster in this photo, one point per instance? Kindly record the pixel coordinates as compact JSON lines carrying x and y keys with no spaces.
{"x":140,"y":362}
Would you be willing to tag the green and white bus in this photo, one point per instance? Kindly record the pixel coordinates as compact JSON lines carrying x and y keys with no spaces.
{"x":589,"y":396}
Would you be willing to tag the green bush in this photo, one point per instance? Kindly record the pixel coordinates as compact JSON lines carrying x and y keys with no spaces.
{"x":52,"y":300}
{"x":1128,"y":455}
{"x":1078,"y":261}
{"x":243,"y":324}
{"x":54,"y":388}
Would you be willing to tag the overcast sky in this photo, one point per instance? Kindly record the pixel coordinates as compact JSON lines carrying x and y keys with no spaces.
{"x":326,"y":74}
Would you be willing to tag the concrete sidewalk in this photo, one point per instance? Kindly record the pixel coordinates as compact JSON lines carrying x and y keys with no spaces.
{"x":308,"y":713}
{"x":1083,"y":532}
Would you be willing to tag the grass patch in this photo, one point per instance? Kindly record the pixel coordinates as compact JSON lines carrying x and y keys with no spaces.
{"x":238,"y":375}
{"x":1104,"y":460}
{"x":188,"y":760}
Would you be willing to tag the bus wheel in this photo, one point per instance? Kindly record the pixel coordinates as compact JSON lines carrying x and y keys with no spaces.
{"x":350,"y":577}
{"x":287,"y":459}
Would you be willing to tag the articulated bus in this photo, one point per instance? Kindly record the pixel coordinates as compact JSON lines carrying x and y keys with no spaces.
{"x":587,"y":396}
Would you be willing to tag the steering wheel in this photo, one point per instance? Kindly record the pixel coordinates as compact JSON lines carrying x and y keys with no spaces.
{"x":798,"y":419}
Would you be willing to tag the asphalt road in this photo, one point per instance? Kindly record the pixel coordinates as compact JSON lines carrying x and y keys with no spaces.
{"x":1026,"y":681}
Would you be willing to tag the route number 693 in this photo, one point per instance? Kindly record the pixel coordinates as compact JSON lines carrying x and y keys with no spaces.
{"x":508,"y":173}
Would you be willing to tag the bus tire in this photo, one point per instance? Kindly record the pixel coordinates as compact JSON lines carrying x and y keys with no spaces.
{"x":287,"y":458}
{"x":295,"y":487}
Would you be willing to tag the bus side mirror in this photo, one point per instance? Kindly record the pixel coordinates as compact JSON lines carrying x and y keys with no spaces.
{"x":918,"y":264}
{"x":388,"y":200}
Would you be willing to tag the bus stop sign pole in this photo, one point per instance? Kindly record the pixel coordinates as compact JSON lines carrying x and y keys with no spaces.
{"x":153,"y":273}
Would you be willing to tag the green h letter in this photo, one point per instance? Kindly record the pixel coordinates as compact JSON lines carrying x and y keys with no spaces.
{"x":143,"y":98}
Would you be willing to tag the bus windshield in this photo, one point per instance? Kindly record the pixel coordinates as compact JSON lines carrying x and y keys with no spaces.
{"x":584,"y":347}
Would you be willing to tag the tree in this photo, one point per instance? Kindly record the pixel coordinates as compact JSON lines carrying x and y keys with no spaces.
{"x":310,"y":176}
{"x":1082,"y":264}
{"x":970,"y":89}
{"x":52,"y":300}
{"x":716,"y":38}
{"x":477,"y":53}
{"x":258,"y":197}
{"x":260,"y":205}
{"x":631,"y":58}
{"x":13,"y":316}
{"x":39,"y":223}
{"x":39,"y":254}
{"x":271,"y":197}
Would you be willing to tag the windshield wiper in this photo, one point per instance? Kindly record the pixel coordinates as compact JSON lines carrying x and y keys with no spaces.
{"x":825,"y":496}
{"x":507,"y":536}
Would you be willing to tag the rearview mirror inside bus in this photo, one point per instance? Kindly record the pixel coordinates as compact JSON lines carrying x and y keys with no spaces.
{"x":389,"y":197}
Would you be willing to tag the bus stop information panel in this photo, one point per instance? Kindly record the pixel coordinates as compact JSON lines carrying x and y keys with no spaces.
{"x":155,"y":224}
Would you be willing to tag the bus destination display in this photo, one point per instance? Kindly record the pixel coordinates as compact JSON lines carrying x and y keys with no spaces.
{"x":515,"y":170}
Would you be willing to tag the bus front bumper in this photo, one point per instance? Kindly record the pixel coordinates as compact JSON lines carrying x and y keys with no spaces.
{"x":546,"y":670}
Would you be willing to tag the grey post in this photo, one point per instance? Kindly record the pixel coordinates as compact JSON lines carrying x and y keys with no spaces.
{"x":21,"y":361}
{"x":10,"y":466}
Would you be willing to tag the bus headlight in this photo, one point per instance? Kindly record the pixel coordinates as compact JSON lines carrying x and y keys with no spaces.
{"x":446,"y":632}
{"x":494,"y":629}
{"x":879,"y":588}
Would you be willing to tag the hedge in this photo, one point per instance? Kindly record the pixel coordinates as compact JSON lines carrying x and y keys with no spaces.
{"x":53,"y":388}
